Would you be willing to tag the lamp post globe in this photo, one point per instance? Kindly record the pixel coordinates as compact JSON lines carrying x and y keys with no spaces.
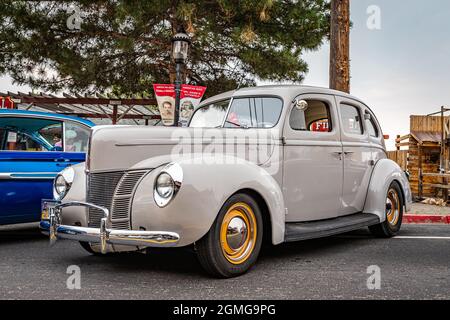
{"x":180,"y":47}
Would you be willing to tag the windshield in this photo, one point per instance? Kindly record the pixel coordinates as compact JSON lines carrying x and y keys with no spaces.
{"x":210,"y":116}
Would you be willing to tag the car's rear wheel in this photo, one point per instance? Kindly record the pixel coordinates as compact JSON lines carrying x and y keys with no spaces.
{"x":394,"y":213}
{"x":233,"y":243}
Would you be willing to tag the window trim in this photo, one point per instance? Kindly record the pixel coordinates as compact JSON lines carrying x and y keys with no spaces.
{"x":329,"y":117}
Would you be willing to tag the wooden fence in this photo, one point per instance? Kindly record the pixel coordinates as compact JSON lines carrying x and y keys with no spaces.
{"x":399,"y":156}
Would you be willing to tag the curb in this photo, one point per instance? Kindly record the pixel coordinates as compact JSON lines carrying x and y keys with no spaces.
{"x":426,"y":218}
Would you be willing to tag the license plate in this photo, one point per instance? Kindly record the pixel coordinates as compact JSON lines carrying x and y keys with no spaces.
{"x":46,"y":205}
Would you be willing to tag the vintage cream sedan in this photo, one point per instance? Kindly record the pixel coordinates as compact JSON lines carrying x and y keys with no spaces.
{"x":271,"y":163}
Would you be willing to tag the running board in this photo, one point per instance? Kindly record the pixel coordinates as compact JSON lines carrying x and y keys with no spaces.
{"x":317,"y":229}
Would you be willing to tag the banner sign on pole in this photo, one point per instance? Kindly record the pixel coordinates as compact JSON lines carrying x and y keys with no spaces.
{"x":6,"y":103}
{"x":189,"y":100}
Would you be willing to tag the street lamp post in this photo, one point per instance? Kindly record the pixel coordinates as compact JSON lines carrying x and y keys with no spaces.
{"x":180,"y":48}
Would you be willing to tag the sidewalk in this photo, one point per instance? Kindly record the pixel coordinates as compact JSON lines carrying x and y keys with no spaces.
{"x":425,"y":213}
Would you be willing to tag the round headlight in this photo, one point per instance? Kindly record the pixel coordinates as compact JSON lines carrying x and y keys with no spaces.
{"x":63,"y":182}
{"x":165,"y":185}
{"x":60,"y":185}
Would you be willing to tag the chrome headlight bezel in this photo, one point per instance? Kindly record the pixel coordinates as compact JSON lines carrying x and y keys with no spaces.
{"x":175,"y":173}
{"x":66,"y":178}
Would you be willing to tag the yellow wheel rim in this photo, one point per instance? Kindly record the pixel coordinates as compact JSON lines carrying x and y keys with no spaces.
{"x":238,"y":233}
{"x":392,"y":207}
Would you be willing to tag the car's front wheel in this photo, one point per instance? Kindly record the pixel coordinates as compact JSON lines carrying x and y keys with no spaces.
{"x":394,"y":213}
{"x":234,"y":241}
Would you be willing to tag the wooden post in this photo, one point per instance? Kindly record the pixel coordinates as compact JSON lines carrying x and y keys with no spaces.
{"x":114,"y":115}
{"x":420,"y":181}
{"x":340,"y":45}
{"x":441,"y":160}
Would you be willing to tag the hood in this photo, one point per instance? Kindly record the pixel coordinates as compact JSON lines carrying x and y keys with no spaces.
{"x":118,"y":148}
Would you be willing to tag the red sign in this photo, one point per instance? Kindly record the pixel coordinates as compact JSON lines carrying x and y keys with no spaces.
{"x":6,"y":103}
{"x":190,"y":97}
{"x":320,"y":125}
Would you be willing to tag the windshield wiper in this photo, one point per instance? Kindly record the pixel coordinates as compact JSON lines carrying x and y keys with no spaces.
{"x":233,"y":123}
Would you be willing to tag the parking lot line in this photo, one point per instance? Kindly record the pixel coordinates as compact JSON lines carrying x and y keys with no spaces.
{"x":421,"y":237}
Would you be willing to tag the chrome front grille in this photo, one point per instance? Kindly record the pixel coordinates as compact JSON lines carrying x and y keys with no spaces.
{"x":114,"y":191}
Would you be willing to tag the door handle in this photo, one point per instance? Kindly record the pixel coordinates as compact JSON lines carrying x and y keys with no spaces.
{"x":338,"y":153}
{"x":348,"y":152}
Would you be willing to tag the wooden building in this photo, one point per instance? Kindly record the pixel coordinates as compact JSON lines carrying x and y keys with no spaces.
{"x":426,"y":159}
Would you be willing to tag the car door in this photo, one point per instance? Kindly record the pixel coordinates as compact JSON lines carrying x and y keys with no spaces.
{"x":32,"y":153}
{"x":313,"y":166}
{"x":357,"y":156}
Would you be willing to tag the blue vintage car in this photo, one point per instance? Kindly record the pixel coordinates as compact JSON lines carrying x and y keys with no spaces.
{"x":34,"y":147}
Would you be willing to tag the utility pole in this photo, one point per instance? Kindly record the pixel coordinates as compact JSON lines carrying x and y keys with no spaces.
{"x":340,"y":45}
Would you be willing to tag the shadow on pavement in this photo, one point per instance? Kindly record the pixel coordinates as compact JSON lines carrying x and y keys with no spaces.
{"x":20,"y":233}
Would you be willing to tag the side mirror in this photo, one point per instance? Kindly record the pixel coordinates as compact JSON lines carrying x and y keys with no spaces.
{"x":301,"y":105}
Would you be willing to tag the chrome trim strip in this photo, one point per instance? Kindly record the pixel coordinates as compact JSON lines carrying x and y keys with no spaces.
{"x":105,"y":236}
{"x":28,"y":175}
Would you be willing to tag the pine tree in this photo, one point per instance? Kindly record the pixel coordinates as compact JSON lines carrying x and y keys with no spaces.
{"x":125,"y":46}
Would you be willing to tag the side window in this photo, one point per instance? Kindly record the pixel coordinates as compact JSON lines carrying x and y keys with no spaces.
{"x":351,"y":119}
{"x":76,"y":137}
{"x":315,"y":118}
{"x":371,"y":126}
{"x":53,"y":135}
{"x":18,"y":141}
{"x":30,"y":134}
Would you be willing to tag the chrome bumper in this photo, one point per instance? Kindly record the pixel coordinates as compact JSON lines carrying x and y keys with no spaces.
{"x":50,"y":225}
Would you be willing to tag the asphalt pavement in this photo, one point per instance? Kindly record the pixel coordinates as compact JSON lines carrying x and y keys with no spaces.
{"x":414,"y":265}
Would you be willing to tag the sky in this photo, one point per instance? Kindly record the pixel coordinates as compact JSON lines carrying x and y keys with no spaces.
{"x":401,"y":69}
{"x":399,"y":66}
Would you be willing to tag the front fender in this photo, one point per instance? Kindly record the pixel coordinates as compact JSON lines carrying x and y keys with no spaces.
{"x":207,"y":184}
{"x":76,"y":215}
{"x":385,"y":172}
